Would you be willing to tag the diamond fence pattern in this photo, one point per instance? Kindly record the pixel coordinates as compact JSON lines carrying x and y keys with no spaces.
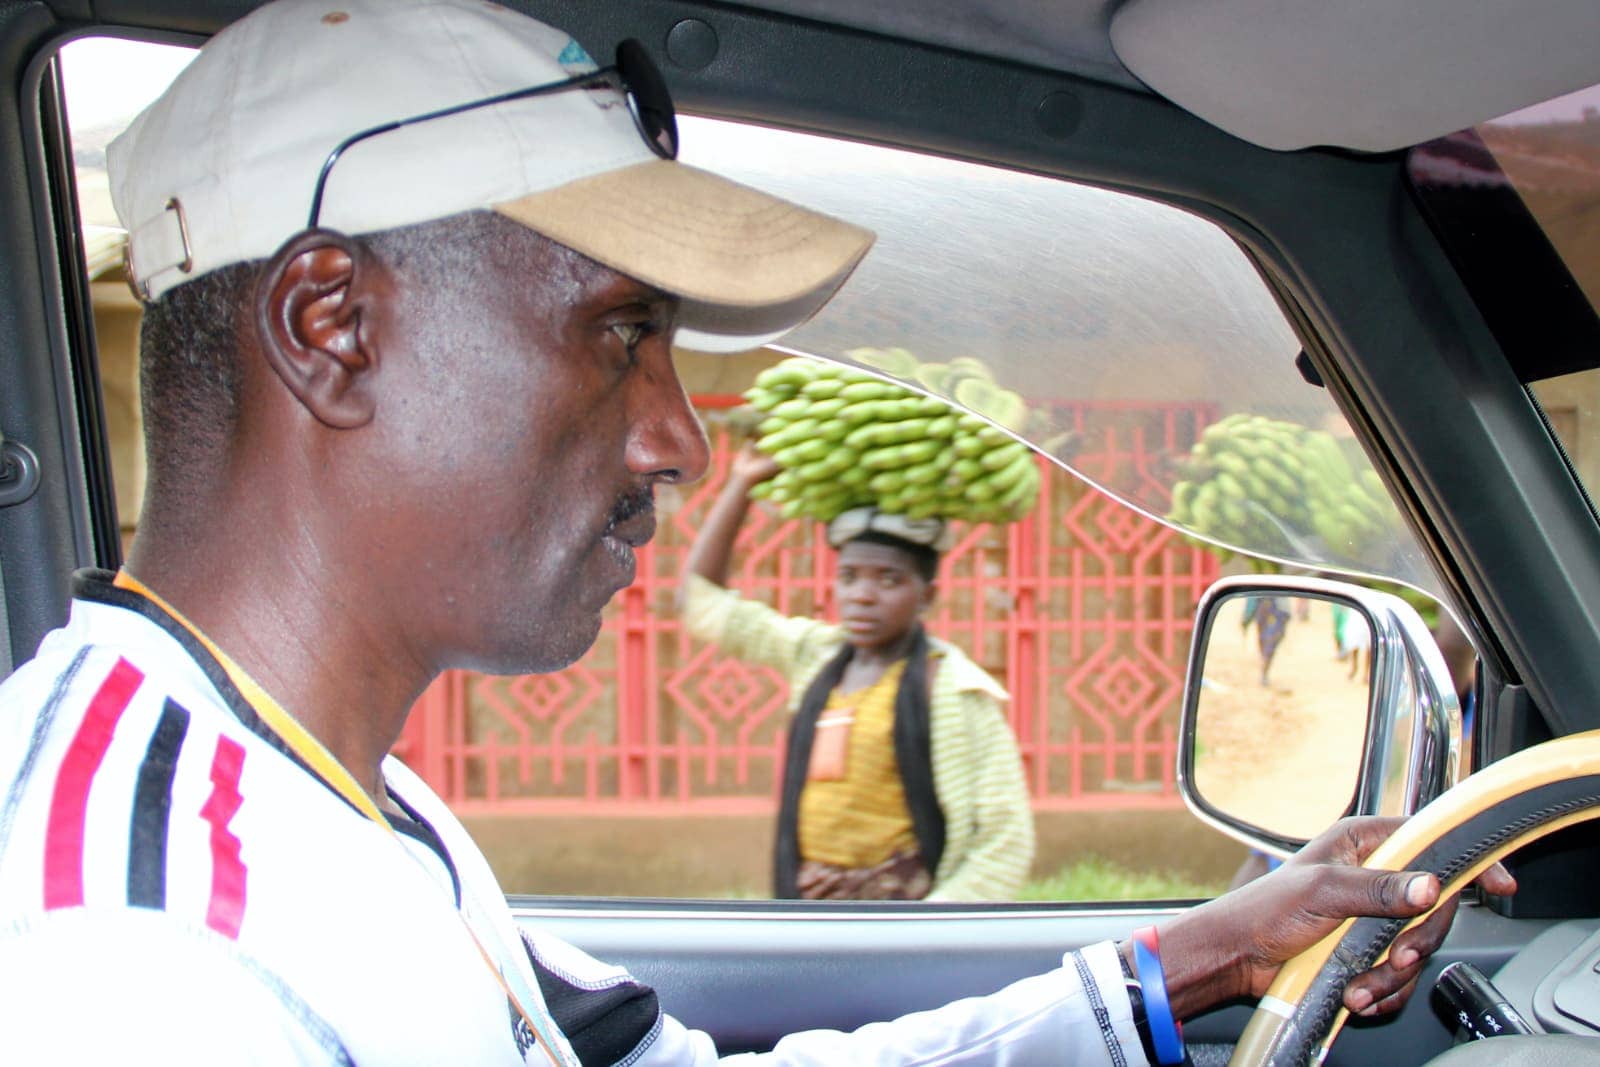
{"x":1083,"y":611}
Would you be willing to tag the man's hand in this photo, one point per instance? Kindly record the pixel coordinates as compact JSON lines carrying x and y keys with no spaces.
{"x":1233,"y":945}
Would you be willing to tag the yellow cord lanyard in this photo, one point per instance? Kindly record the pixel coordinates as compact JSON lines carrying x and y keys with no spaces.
{"x":326,"y":766}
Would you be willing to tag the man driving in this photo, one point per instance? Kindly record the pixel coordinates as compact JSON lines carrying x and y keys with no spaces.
{"x":413,"y":269}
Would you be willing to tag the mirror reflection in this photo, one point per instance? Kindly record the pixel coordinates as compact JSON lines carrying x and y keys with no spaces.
{"x":1282,"y":711}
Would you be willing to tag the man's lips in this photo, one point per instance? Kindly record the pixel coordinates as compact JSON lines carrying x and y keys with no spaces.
{"x":633,"y":531}
{"x":633,"y":518}
{"x":633,"y":522}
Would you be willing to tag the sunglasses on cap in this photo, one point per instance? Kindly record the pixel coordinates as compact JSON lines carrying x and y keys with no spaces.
{"x":633,"y":74}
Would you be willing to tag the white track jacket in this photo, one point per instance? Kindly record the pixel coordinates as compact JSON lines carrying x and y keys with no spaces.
{"x":177,"y":887}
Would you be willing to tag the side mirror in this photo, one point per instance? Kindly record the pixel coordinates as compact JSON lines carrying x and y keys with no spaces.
{"x":1308,"y":700}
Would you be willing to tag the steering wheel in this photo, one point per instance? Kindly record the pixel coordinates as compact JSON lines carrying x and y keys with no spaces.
{"x":1456,"y":837}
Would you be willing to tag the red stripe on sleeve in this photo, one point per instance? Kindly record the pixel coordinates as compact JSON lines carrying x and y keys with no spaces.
{"x":225,"y":913}
{"x":69,"y":804}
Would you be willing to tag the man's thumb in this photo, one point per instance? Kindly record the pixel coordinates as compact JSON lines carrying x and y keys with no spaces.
{"x":1358,"y":891}
{"x":1418,"y":891}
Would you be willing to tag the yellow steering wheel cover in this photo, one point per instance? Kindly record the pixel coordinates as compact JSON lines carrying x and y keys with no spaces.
{"x":1502,"y":783}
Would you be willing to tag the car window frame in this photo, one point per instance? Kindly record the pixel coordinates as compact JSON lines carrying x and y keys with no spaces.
{"x":1276,"y":264}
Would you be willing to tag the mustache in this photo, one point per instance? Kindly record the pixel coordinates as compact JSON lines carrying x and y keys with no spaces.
{"x":636,"y":502}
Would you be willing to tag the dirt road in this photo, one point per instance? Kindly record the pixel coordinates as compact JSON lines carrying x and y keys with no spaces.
{"x":1286,"y":752}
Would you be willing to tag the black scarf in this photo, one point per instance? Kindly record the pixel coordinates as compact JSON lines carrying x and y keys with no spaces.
{"x":912,"y":752}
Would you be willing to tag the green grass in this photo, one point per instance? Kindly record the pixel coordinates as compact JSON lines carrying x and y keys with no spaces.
{"x":1090,"y":879}
{"x":1093,"y":878}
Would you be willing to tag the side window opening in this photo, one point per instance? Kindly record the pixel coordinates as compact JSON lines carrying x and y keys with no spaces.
{"x":1147,"y":355}
{"x":108,"y":81}
{"x":1516,"y":201}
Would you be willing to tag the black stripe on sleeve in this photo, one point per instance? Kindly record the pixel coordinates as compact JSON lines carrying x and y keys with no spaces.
{"x":152,"y":804}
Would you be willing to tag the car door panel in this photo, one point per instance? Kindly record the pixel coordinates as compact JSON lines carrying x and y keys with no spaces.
{"x":748,"y":974}
{"x":42,"y":538}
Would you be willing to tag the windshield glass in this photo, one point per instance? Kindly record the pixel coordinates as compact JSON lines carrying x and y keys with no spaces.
{"x":1088,"y":316}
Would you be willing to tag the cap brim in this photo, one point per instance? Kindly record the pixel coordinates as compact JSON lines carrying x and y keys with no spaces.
{"x":748,"y":266}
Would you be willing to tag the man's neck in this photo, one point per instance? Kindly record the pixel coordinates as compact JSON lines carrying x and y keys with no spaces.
{"x":327,"y":667}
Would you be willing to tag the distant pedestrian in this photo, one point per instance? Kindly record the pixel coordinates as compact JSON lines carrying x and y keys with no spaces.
{"x":1272,"y":622}
{"x":1351,"y":636}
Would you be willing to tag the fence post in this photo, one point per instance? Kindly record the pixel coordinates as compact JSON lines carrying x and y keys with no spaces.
{"x":635,"y":696}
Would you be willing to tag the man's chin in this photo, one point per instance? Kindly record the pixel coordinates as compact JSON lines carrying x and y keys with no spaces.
{"x":545,"y":650}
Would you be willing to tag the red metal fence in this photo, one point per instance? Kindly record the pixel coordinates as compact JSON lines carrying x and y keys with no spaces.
{"x":1083,"y":611}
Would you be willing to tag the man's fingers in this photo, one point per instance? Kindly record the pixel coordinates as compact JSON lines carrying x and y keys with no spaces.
{"x":1367,"y":993}
{"x":1339,"y":892}
{"x":1497,"y":880}
{"x":1385,"y":989}
{"x":1381,"y":998}
{"x":1424,"y":939}
{"x":1387,"y":986}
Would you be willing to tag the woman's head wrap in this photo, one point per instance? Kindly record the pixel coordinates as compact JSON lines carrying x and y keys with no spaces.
{"x":925,"y":533}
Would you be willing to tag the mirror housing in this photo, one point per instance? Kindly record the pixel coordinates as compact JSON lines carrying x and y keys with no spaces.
{"x":1413,"y":718}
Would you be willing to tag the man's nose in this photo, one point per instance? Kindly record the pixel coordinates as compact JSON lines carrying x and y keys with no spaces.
{"x":667,"y":441}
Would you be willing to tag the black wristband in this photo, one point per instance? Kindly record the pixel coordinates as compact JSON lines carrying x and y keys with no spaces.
{"x":1141,"y":1022}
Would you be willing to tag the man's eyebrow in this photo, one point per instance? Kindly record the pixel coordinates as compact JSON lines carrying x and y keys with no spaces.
{"x":641,"y":293}
{"x":644,"y":293}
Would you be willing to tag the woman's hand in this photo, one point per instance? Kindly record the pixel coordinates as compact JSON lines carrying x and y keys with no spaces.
{"x":750,"y":468}
{"x":713,"y":543}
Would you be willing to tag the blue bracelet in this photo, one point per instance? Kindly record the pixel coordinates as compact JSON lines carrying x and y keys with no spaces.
{"x":1164,"y":1033}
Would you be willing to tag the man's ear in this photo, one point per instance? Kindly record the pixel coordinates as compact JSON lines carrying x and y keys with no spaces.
{"x":314,"y":306}
{"x":930,"y":594}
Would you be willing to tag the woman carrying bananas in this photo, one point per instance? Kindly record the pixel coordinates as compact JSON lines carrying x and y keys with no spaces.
{"x":902,"y":779}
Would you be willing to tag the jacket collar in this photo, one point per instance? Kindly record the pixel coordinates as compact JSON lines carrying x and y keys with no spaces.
{"x":957,"y":670}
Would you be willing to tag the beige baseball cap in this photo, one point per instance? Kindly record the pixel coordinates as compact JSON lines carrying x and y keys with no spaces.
{"x":222,"y":168}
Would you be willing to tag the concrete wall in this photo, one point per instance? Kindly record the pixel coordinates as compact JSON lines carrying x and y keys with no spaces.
{"x":116,"y":325}
{"x":729,"y":856}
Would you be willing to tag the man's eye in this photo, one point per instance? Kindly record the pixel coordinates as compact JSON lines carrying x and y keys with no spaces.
{"x":631,"y":333}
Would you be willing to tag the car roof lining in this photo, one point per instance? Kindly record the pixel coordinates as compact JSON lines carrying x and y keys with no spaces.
{"x":1368,"y":75}
{"x":1371,"y":75}
{"x":1068,"y":36}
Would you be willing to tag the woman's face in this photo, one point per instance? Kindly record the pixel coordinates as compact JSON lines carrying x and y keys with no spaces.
{"x":880,"y":593}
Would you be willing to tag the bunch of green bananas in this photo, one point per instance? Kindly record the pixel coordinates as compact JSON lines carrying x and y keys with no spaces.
{"x":848,"y":439}
{"x":964,"y":379}
{"x":1263,"y":483}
